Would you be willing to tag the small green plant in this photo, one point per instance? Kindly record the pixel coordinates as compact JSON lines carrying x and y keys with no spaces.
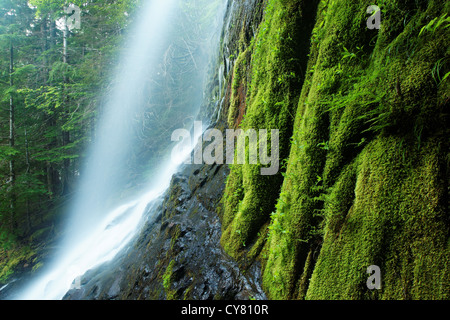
{"x":348,"y":55}
{"x":324,"y":145}
{"x":435,"y":24}
{"x":446,"y":76}
{"x":276,"y":224}
{"x":436,"y":71}
{"x":167,"y":277}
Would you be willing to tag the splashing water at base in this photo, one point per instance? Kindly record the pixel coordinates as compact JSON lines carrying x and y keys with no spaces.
{"x":108,"y":239}
{"x":94,"y":236}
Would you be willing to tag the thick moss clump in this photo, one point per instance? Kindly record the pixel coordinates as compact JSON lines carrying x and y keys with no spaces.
{"x":366,"y":181}
{"x":269,"y":70}
{"x":16,"y":259}
{"x":396,"y":221}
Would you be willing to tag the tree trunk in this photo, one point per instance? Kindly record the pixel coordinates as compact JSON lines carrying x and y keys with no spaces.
{"x":65,"y":134}
{"x":44,"y":50}
{"x":12,"y":171}
{"x":49,"y":41}
{"x":27,"y":159}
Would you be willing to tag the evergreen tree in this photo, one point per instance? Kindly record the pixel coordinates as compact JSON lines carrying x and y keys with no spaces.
{"x":50,"y":80}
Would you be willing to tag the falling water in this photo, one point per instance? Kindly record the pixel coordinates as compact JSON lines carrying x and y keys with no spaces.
{"x":95,"y":233}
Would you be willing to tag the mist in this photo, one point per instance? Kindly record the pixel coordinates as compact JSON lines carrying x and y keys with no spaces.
{"x":158,"y":85}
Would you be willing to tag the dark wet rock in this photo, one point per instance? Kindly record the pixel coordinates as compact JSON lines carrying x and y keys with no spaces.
{"x":178,"y":253}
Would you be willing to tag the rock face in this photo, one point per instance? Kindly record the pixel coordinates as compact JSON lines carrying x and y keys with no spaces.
{"x":364,"y":165}
{"x":178,"y":254}
{"x":363,"y":121}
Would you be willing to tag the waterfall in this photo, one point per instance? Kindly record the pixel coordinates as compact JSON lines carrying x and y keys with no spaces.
{"x":96,"y":231}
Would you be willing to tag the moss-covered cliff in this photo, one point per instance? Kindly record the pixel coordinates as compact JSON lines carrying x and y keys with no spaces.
{"x":362,"y":116}
{"x":363,"y":120}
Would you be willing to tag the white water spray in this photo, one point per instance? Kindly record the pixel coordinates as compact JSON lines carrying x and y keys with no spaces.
{"x":95,"y":236}
{"x":102,"y":245}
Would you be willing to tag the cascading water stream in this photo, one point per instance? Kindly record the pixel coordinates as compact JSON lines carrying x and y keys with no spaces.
{"x":103,"y":243}
{"x":95,"y":235}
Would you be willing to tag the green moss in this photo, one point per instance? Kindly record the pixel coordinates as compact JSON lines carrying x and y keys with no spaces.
{"x":362,"y":89}
{"x":271,"y":100}
{"x":167,"y":281}
{"x":11,"y":259}
{"x":396,"y":221}
{"x":239,"y":88}
{"x":364,"y":135}
{"x":175,"y":234}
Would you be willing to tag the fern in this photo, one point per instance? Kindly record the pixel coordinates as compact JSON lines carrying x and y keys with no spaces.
{"x":435,"y":72}
{"x":435,"y":24}
{"x":446,"y":76}
{"x":348,"y":55}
